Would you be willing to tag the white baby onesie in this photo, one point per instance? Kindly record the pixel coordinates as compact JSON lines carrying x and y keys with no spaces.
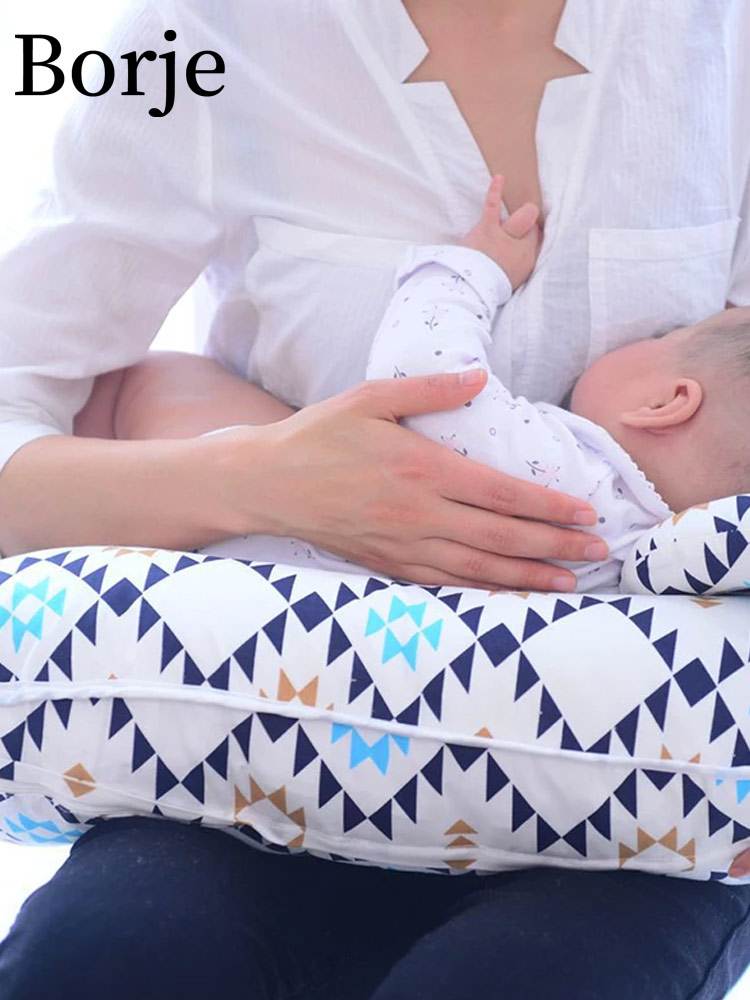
{"x":440,"y":321}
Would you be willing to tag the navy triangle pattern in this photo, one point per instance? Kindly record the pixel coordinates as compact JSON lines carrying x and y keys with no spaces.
{"x":419,"y":727}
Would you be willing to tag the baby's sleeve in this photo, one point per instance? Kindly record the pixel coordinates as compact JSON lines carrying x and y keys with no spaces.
{"x":440,"y":321}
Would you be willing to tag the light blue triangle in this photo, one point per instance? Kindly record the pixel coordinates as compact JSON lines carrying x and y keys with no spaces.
{"x":374,"y":623}
{"x":57,"y":603}
{"x":398,"y":609}
{"x":432,"y":633}
{"x":338,"y":731}
{"x":33,"y":824}
{"x":402,"y":742}
{"x":416,"y":613}
{"x":743,"y":787}
{"x":378,"y":753}
{"x":392,"y":647}
{"x":21,"y":591}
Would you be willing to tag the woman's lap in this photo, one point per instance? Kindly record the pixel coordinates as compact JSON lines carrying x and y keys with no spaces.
{"x":153,"y":909}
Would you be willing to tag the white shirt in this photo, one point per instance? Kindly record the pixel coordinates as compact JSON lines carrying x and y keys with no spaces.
{"x":440,"y":321}
{"x":297,"y":189}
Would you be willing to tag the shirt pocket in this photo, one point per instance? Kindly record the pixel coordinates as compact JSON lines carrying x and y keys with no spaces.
{"x":643,"y":282}
{"x":320,"y":297}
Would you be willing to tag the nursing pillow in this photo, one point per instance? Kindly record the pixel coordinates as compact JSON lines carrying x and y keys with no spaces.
{"x":703,"y":550}
{"x":367,"y":720}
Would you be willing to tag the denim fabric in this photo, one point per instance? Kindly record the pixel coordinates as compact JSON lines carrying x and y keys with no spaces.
{"x":152,"y":909}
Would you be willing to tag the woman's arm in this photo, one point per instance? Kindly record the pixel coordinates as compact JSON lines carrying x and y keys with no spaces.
{"x":172,"y":394}
{"x":340,"y":474}
{"x":177,"y":395}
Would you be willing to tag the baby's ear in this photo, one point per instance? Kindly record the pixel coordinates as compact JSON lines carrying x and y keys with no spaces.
{"x":682,"y":400}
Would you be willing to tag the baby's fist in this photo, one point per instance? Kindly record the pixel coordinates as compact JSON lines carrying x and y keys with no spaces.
{"x":513,"y":245}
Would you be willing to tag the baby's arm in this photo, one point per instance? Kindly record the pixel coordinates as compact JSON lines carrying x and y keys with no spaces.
{"x":441,"y":318}
{"x":440,"y":321}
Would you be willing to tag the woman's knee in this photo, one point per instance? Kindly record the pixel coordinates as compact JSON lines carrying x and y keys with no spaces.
{"x":567,"y":935}
{"x":141,"y":908}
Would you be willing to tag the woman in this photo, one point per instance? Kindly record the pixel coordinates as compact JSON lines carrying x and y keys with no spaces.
{"x":345,"y":129}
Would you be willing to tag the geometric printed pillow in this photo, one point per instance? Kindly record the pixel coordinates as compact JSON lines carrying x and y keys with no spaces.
{"x":704,"y":550}
{"x":440,"y":729}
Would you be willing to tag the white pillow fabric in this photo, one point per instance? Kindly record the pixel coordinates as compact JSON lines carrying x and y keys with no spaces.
{"x":440,"y":729}
{"x":703,"y":550}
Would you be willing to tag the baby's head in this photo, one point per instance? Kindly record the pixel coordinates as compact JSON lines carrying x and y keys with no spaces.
{"x":680,"y":406}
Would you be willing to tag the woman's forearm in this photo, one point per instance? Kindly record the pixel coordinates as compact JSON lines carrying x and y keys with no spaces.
{"x":120,"y":482}
{"x":66,"y":491}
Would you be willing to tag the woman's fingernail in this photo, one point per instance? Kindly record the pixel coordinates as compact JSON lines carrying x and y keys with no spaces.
{"x":566,"y":584}
{"x":585,"y":517}
{"x":473,"y":377}
{"x":596,"y":552}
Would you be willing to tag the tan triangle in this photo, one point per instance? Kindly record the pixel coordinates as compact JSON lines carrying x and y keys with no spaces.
{"x":240,"y":802}
{"x":696,"y":759}
{"x":298,"y":817}
{"x":262,"y":693}
{"x":256,"y":792}
{"x":525,"y":595}
{"x":330,"y":708}
{"x":706,"y":602}
{"x":644,"y":840}
{"x":287,"y":691}
{"x":309,"y":693}
{"x":462,"y":842}
{"x":688,"y":851}
{"x":279,"y":799}
{"x":670,"y":839}
{"x":461,"y":864}
{"x":665,"y":754}
{"x":79,"y":781}
{"x":460,"y":827}
{"x":112,"y":677}
{"x":299,"y":841}
{"x":484,"y":731}
{"x":626,"y":853}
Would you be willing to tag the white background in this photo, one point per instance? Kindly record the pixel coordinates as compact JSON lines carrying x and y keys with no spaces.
{"x":28,"y":124}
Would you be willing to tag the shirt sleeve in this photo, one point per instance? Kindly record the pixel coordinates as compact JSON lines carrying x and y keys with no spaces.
{"x":125,"y":225}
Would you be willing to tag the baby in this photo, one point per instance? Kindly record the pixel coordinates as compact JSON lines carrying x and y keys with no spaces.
{"x":652,"y":427}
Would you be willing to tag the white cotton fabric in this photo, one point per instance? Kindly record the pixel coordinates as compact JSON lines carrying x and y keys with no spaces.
{"x":297,"y":189}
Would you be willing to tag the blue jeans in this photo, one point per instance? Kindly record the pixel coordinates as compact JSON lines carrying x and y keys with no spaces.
{"x":154,"y":910}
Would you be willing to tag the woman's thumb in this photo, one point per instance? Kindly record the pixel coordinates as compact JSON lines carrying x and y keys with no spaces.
{"x":409,"y":397}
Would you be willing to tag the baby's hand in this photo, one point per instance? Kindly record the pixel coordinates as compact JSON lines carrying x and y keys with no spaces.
{"x":513,"y":245}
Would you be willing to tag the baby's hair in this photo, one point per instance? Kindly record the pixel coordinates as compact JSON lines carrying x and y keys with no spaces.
{"x":721,"y":343}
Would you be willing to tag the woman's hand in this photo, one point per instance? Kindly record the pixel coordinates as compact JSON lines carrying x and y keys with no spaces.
{"x":343,"y":475}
